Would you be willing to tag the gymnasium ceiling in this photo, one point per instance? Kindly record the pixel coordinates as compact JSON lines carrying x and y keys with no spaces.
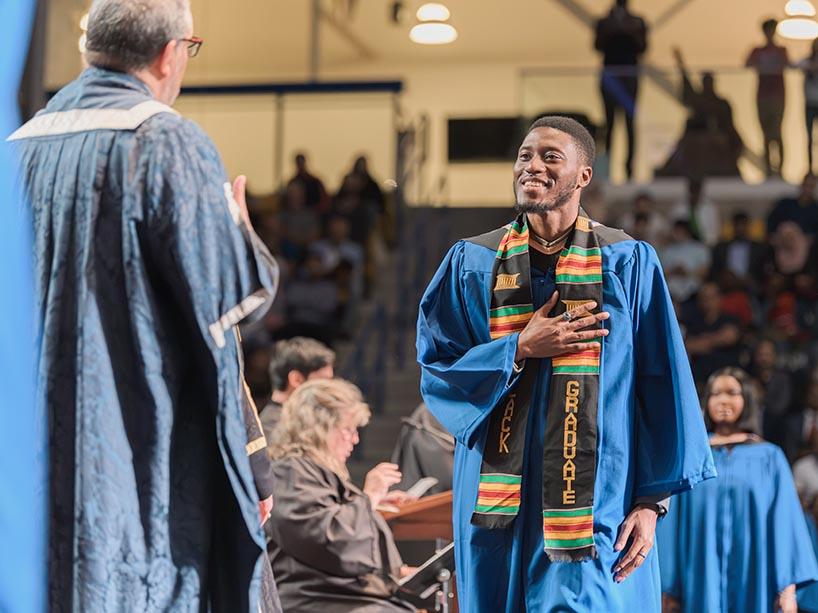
{"x":270,"y":39}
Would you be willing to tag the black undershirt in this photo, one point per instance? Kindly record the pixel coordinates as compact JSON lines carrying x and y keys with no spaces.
{"x":543,"y":262}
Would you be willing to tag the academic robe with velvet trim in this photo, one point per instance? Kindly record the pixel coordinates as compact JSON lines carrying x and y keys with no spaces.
{"x":143,"y":266}
{"x":651,"y":432}
{"x":733,"y":543}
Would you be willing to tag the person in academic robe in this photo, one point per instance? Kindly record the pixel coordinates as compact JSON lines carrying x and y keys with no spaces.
{"x":424,"y":449}
{"x":549,"y":348}
{"x":145,"y":261}
{"x":739,"y":542}
{"x":330,"y":550}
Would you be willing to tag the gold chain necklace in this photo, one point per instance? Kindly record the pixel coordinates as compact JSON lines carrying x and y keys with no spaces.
{"x":550,"y":246}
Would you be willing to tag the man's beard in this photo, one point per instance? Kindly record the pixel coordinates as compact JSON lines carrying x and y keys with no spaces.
{"x":558,"y":201}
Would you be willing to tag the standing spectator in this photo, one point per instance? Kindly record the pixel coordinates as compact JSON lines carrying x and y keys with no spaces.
{"x":622,"y":38}
{"x":746,"y":259}
{"x":686,"y":262}
{"x":145,"y":260}
{"x":643,"y":219}
{"x":810,"y":67}
{"x":712,"y":336}
{"x":315,"y":195}
{"x":710,"y":144}
{"x":701,"y":214}
{"x":769,"y":62}
{"x":803,"y":209}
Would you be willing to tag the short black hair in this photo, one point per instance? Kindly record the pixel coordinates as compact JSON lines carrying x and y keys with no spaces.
{"x":769,"y":24}
{"x":750,"y":419}
{"x":581,"y":136}
{"x":301,"y":354}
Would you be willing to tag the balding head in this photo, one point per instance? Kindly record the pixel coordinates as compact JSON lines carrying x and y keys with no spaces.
{"x":127,"y":35}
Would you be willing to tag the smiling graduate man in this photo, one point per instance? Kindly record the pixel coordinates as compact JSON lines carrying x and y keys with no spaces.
{"x":550,"y":350}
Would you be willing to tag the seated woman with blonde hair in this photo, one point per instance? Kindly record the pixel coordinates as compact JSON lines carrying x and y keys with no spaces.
{"x":330,"y":551}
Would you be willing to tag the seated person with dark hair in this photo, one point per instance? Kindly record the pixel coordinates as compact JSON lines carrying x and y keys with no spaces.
{"x":294,"y":361}
{"x":712,"y":336}
{"x":802,"y":209}
{"x":745,"y":258}
{"x":329,"y":549}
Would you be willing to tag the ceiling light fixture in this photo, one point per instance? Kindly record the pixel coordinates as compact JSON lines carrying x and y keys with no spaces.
{"x":431,"y":33}
{"x":433,"y":29}
{"x":798,"y":28}
{"x":433,"y":11}
{"x":799,"y":8}
{"x":798,"y":25}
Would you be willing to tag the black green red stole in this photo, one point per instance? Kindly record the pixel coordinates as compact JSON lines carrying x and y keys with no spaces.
{"x":569,"y":452}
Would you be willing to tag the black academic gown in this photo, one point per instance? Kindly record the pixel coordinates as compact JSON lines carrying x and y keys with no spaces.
{"x":330,"y":552}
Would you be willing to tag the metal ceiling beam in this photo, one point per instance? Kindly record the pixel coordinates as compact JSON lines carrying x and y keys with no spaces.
{"x":364,"y":50}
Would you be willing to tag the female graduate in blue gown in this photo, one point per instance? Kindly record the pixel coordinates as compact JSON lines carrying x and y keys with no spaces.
{"x":738,"y":542}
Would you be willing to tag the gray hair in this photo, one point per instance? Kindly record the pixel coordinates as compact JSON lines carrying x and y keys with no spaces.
{"x":127,"y":35}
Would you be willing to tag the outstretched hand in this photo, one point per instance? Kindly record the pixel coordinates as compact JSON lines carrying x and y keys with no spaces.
{"x":546,"y":337}
{"x":639,"y":527}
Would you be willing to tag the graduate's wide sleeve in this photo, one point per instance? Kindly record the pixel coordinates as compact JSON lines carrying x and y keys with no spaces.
{"x":322,"y":525}
{"x":462,"y":377}
{"x":212,"y":260}
{"x":790,"y":543}
{"x":672,"y":449}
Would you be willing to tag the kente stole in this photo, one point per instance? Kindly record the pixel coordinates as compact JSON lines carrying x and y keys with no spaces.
{"x":569,"y":452}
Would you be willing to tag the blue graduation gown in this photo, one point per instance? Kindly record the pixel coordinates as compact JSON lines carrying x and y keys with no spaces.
{"x":143,"y":266}
{"x":733,"y":543}
{"x":22,"y":439}
{"x":808,"y":595}
{"x":651,"y":434}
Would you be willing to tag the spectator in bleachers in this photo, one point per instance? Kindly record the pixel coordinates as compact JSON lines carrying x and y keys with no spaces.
{"x":713,"y":337}
{"x":312,"y":298}
{"x":805,"y":473}
{"x":300,"y":223}
{"x":622,"y":38}
{"x":341,"y":254}
{"x":802,"y":432}
{"x":293,"y":362}
{"x":330,"y":550}
{"x":371,"y":193}
{"x":643,"y":220}
{"x":810,"y":67}
{"x":769,"y":62}
{"x":686,"y":262}
{"x":701,"y":214}
{"x":776,"y":390}
{"x":315,"y":195}
{"x":349,"y":203}
{"x":802,"y":209}
{"x":710,"y":144}
{"x":747,"y":260}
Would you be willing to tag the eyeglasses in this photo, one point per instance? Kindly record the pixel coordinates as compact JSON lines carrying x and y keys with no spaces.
{"x":194,"y":44}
